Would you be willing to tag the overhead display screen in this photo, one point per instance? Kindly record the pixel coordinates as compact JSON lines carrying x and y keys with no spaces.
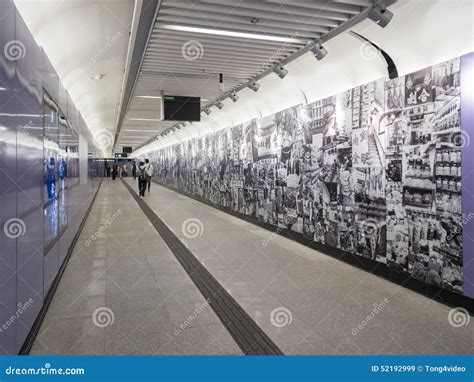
{"x":178,"y":108}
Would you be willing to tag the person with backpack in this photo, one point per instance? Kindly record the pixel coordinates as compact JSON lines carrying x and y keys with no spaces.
{"x":148,"y":172}
{"x":142,"y":179}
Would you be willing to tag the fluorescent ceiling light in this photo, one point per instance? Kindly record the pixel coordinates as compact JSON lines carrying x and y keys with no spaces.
{"x":159,"y":97}
{"x":220,"y":32}
{"x":144,"y":119}
{"x":22,"y":115}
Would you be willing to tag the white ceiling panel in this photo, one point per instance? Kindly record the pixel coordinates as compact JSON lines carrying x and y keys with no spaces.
{"x":194,"y":41}
{"x":84,"y":39}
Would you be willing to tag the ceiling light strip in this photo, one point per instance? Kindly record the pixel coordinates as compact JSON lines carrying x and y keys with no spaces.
{"x":222,"y":32}
{"x":328,"y":36}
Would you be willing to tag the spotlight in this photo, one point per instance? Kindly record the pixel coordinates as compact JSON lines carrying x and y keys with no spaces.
{"x":380,"y":16}
{"x":318,"y":51}
{"x":219,"y":105}
{"x":233,"y":96}
{"x":280,"y":71}
{"x":207,"y":111}
{"x":254,"y":85}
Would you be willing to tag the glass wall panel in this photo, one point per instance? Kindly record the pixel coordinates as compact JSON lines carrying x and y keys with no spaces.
{"x":63,"y":172}
{"x":51,"y":173}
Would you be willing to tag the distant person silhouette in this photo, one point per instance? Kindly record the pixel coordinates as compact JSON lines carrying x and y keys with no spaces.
{"x":142,"y":179}
{"x":149,"y":172}
{"x":134,"y":170}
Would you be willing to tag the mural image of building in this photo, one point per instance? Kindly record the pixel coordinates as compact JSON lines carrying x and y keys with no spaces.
{"x":373,"y":171}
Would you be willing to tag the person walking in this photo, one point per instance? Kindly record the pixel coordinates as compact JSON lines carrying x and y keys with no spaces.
{"x":114,"y":171}
{"x":134,"y":170}
{"x":149,"y":172}
{"x":142,"y":179}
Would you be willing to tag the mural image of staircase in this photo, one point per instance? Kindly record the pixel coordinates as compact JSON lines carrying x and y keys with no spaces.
{"x":373,"y":157}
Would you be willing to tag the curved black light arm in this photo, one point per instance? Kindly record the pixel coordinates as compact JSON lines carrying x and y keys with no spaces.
{"x":391,"y":67}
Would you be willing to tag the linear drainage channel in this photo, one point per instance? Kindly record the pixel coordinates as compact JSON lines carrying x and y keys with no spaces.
{"x":251,"y":339}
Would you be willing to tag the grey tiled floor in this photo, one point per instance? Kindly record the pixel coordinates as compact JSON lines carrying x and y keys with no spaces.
{"x":325,"y":298}
{"x":124,"y":292}
{"x":320,"y":300}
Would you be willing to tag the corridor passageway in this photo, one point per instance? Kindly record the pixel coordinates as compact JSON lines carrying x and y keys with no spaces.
{"x":124,"y":292}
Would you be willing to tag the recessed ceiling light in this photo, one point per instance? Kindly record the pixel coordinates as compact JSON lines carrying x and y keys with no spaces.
{"x":220,"y":32}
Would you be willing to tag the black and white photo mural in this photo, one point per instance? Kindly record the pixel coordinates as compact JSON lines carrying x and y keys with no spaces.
{"x":374,"y":171}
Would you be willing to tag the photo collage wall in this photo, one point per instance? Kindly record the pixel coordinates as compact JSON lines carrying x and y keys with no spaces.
{"x":374,"y":171}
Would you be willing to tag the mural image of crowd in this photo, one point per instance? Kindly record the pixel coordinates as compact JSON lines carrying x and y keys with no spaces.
{"x":374,"y":171}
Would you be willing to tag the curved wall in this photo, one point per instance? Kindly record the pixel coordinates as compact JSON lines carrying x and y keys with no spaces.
{"x":421,"y":33}
{"x":374,"y":171}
